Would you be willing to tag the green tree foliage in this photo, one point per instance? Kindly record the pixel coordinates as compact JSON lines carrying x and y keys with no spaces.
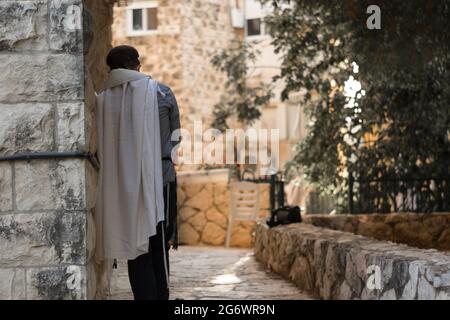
{"x":240,"y":98}
{"x":397,"y":125}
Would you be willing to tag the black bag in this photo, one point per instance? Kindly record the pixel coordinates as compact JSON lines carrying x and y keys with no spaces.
{"x":284,"y":215}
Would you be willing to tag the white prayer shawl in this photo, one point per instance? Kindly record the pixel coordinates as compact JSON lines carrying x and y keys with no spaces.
{"x":130,"y":201}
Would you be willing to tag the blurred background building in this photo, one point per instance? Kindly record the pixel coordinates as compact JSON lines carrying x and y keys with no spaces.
{"x":177,"y":40}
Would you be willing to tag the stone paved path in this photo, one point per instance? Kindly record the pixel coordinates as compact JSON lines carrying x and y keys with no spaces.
{"x":199,"y":273}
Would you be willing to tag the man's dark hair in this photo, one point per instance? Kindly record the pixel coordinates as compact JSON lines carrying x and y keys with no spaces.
{"x":123,"y":57}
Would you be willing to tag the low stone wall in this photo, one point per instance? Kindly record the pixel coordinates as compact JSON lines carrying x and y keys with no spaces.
{"x":427,"y":231}
{"x":203,"y":207}
{"x":332,"y":264}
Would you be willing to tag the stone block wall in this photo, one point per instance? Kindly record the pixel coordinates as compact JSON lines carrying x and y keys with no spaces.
{"x":178,"y":54}
{"x":46,"y":103}
{"x":206,"y":29}
{"x":160,"y":53}
{"x":98,"y":19}
{"x":332,"y":264}
{"x":425,"y":231}
{"x":203,"y":204}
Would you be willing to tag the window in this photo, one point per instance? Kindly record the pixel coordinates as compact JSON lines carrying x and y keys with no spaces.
{"x":255,"y":14}
{"x":138,"y":24}
{"x":254,"y":27}
{"x":142,"y":19}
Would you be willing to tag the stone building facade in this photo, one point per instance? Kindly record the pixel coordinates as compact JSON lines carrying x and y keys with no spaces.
{"x":49,"y":53}
{"x":52,"y":60}
{"x":204,"y":210}
{"x":178,"y":52}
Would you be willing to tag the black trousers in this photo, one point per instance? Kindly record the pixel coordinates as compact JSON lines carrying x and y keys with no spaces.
{"x":149,"y":272}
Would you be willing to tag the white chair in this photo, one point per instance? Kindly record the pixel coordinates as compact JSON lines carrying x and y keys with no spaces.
{"x":244,"y":204}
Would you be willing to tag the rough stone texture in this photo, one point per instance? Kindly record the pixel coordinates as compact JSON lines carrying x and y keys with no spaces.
{"x":50,"y":70}
{"x":189,"y":33}
{"x":41,"y":77}
{"x":203,"y":207}
{"x":90,"y":133}
{"x":166,"y":43}
{"x":23,"y":25}
{"x":377,"y":230}
{"x":425,"y":231}
{"x":102,"y":278}
{"x":42,"y":239}
{"x":202,"y":201}
{"x":213,"y":235}
{"x":187,"y":234}
{"x":61,"y":185}
{"x":97,"y":38}
{"x":444,"y":239}
{"x":6,"y":198}
{"x":198,"y":221}
{"x":215,"y":216}
{"x":71,"y":128}
{"x":26,"y":127}
{"x":186,"y":212}
{"x":12,"y":284}
{"x":91,"y":186}
{"x":66,"y":21}
{"x":335,"y":265}
{"x":215,"y":273}
{"x":90,"y":235}
{"x":243,"y":234}
{"x":54,"y":283}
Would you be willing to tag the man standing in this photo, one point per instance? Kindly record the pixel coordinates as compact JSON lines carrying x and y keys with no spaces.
{"x":136,"y":203}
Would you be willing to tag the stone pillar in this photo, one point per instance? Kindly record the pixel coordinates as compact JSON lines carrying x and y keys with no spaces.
{"x":46,"y":100}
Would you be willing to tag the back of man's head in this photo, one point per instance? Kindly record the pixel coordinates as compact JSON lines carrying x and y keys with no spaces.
{"x":123,"y":57}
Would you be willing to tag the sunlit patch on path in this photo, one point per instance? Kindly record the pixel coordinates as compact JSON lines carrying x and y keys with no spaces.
{"x":199,"y":273}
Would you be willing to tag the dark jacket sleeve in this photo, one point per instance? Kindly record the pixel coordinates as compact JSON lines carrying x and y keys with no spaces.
{"x":174,"y":116}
